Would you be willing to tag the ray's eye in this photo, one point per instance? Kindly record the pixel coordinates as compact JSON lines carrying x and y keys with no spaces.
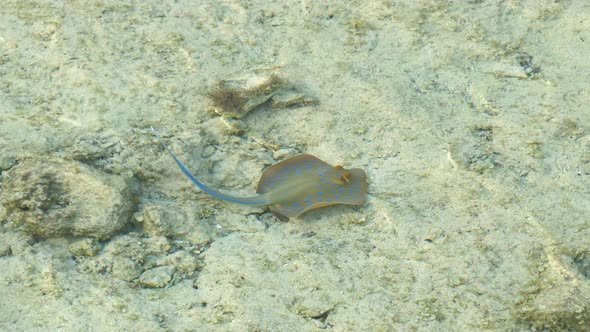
{"x":345,"y":177}
{"x":341,"y":176}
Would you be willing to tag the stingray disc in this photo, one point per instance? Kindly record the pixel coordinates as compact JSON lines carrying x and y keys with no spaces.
{"x":304,"y":182}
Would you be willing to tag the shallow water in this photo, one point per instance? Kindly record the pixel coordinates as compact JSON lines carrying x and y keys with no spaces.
{"x":470,"y":119}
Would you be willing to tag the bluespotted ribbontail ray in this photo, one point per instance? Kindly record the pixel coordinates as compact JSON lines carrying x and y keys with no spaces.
{"x":295,"y":185}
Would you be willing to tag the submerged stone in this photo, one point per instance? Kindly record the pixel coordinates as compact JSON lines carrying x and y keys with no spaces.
{"x":56,"y":198}
{"x":235,"y":98}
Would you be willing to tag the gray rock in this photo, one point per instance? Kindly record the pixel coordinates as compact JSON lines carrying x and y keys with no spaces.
{"x":157,"y":277}
{"x":84,"y":248}
{"x":56,"y":198}
{"x":126,"y":269}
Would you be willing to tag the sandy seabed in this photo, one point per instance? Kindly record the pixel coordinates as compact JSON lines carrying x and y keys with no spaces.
{"x":471,"y":119}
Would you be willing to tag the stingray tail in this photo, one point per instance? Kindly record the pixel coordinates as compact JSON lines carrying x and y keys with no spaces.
{"x":254,"y":200}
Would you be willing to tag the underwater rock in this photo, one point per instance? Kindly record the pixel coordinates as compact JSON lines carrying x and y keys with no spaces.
{"x":284,"y":99}
{"x":55,"y":198}
{"x":157,"y":277}
{"x":559,"y":296}
{"x":84,"y":248}
{"x":171,"y":221}
{"x":477,"y":151}
{"x":125,"y":268}
{"x":5,"y":248}
{"x":237,"y":97}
